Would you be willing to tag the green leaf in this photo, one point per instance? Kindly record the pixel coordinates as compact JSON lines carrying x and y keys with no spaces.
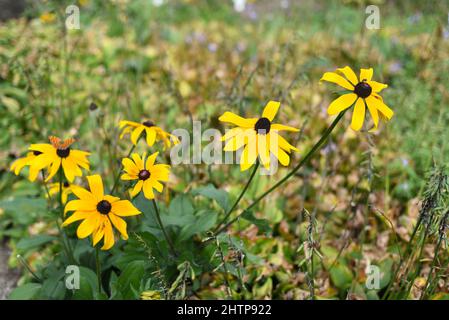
{"x":213,"y":193}
{"x":204,"y":222}
{"x":27,"y":291}
{"x":130,"y":279}
{"x":341,"y":276}
{"x":180,"y":212}
{"x":34,"y":242}
{"x":24,"y":210}
{"x":88,"y":285}
{"x":261,"y":224}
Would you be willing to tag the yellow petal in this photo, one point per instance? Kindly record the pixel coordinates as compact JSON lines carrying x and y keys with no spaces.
{"x":88,"y":226}
{"x":119,"y":224}
{"x":279,"y":142}
{"x":377,"y":86}
{"x":366,"y":74}
{"x":126,"y":177}
{"x":43,"y":147}
{"x":151,"y":136}
{"x":136,"y":134}
{"x":249,"y":155}
{"x":337,"y":79}
{"x":263,"y":149}
{"x":358,"y":115}
{"x":341,"y":103}
{"x":130,"y":167}
{"x":108,"y":236}
{"x":349,"y":74}
{"x":282,"y":156}
{"x":96,"y":186}
{"x":138,"y":161}
{"x":232,"y":133}
{"x":383,"y":108}
{"x":80,"y":205}
{"x":76,"y":216}
{"x":148,"y":189}
{"x":270,"y":110}
{"x":281,"y":127}
{"x":237,"y":120}
{"x":136,"y":188}
{"x":150,"y":160}
{"x":99,"y":233}
{"x":83,"y":194}
{"x":373,"y":110}
{"x":70,"y":169}
{"x":124,"y":208}
{"x":53,"y":169}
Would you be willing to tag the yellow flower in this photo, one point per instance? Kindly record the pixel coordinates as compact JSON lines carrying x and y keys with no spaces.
{"x":149,"y":129}
{"x":99,"y":212}
{"x":67,"y":189}
{"x":47,"y":17}
{"x":58,"y":154}
{"x":150,"y":295}
{"x":364,"y":93}
{"x":20,"y":163}
{"x":148,"y":174}
{"x":260,"y":137}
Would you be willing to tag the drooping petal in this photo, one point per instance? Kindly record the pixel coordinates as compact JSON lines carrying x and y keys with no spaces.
{"x":263,"y":149}
{"x":232,"y":133}
{"x":366,"y":74}
{"x":278,"y":141}
{"x":341,"y":103}
{"x":337,"y":79}
{"x":383,"y":108}
{"x":349,"y":74}
{"x":54,"y":167}
{"x":43,"y":147}
{"x":96,"y":186}
{"x":270,"y":110}
{"x":119,"y":224}
{"x":88,"y":226}
{"x":109,"y":241}
{"x":70,"y":169}
{"x":373,"y":110}
{"x":151,"y":136}
{"x":98,"y":233}
{"x":124,"y":208}
{"x":282,"y":156}
{"x":249,"y":155}
{"x":136,"y":134}
{"x":358,"y":116}
{"x":148,"y":189}
{"x":136,"y":188}
{"x":237,"y":120}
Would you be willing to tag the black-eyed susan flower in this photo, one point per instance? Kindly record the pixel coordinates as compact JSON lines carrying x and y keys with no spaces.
{"x":364,"y":93}
{"x":54,"y":188}
{"x":259,"y":137}
{"x":58,"y":154}
{"x":147,"y":174}
{"x":147,"y":128}
{"x":20,"y":163}
{"x":99,"y":213}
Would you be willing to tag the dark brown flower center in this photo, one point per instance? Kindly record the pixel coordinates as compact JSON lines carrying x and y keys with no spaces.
{"x":262,"y":126}
{"x":63,"y":153}
{"x":104,"y":207}
{"x":36,"y":153}
{"x":144,"y":174}
{"x":363,"y":89}
{"x":66,"y":184}
{"x":148,"y":123}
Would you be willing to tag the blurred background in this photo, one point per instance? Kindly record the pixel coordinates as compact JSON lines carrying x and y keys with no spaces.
{"x":177,"y":60}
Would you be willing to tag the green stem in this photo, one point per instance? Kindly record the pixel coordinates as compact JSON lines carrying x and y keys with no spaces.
{"x":64,"y":238}
{"x":239,"y":197}
{"x":117,"y":177}
{"x":98,"y":265}
{"x":159,"y":221}
{"x":432,"y":267}
{"x":401,"y":261}
{"x":291,"y":173}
